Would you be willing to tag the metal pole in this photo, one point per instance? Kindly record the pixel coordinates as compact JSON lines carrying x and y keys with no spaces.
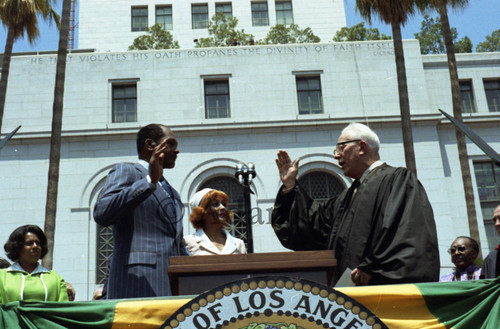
{"x":245,"y":173}
{"x":248,"y":218}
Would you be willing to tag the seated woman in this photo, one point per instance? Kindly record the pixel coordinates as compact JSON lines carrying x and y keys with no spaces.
{"x":463,"y":251}
{"x":26,"y":279}
{"x":209,"y":217}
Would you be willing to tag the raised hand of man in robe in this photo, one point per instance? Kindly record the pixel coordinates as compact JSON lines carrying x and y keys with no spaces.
{"x":288,"y":170}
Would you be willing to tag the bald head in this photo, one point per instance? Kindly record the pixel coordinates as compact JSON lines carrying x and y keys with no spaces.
{"x":360,"y":131}
{"x":496,"y":219}
{"x":357,"y":149}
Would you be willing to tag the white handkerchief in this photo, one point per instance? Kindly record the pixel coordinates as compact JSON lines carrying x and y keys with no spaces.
{"x":345,"y":279}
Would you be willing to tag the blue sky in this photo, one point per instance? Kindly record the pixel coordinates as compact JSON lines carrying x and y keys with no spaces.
{"x":479,"y":19}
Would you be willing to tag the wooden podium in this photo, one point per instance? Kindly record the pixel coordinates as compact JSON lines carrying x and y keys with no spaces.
{"x":192,"y":275}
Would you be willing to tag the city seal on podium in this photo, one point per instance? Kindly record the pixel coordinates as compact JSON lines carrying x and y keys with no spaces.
{"x":273,"y":302}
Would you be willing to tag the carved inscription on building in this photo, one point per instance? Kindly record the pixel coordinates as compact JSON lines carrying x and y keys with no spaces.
{"x":376,"y":49}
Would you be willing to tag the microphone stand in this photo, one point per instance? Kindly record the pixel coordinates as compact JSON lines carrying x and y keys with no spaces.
{"x":245,"y":174}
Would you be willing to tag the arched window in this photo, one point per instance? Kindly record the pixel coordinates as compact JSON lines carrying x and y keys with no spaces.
{"x":234,"y":191}
{"x":321,"y":185}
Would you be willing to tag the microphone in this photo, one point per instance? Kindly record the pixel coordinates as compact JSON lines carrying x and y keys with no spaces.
{"x":251,"y":172}
{"x":239,"y":172}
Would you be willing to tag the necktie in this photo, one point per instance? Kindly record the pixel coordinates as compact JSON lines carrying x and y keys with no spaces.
{"x":348,"y":197}
{"x":170,"y":200}
{"x":339,"y":218}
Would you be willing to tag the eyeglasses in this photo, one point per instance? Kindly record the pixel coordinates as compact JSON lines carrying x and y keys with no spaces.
{"x":342,"y":145}
{"x":461,"y":250}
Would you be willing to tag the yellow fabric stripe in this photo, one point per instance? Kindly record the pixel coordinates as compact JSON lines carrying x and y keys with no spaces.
{"x":145,"y":314}
{"x":399,"y":306}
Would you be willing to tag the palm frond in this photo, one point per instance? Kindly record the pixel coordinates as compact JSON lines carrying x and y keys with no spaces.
{"x":22,"y":16}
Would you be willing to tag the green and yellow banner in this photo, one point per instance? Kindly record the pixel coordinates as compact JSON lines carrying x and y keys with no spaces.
{"x":451,"y":305}
{"x":457,"y":305}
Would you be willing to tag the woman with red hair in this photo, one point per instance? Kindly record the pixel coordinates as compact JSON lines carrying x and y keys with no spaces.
{"x":210,"y":216}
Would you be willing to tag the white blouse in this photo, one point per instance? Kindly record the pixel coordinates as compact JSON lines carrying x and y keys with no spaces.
{"x":199,"y":244}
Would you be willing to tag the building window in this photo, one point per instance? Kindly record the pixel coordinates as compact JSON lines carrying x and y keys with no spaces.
{"x":125,"y":103}
{"x":259,"y":14}
{"x":224,"y":8}
{"x":104,"y":251}
{"x":492,"y":90}
{"x":217,"y":99}
{"x":467,"y":97}
{"x":234,"y":191}
{"x":309,"y":94}
{"x":139,"y":18}
{"x":164,"y":17}
{"x":284,"y":13}
{"x":321,"y":185}
{"x":199,"y":15}
{"x":488,"y":186}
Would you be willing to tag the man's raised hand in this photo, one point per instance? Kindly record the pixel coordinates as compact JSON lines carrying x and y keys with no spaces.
{"x":288,"y":170}
{"x":156,"y":162}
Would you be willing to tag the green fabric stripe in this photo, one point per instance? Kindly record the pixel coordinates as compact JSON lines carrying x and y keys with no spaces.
{"x":464,"y":304}
{"x":57,"y":315}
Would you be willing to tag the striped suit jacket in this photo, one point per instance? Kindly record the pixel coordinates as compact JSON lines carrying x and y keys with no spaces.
{"x":145,"y":232}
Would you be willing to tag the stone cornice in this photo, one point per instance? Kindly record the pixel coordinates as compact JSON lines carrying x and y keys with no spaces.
{"x":472,"y":59}
{"x":200,"y":129}
{"x":231,"y":128}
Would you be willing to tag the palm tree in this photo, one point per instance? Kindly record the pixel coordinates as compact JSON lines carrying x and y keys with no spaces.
{"x":396,"y":13}
{"x":55,"y":137}
{"x":19,"y":17}
{"x":442,"y":8}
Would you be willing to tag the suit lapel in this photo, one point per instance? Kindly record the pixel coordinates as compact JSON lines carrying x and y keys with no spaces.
{"x":230,"y":245}
{"x":205,"y":242}
{"x":160,"y":195}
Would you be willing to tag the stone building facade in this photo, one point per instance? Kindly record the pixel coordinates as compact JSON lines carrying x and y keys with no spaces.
{"x":231,"y":105}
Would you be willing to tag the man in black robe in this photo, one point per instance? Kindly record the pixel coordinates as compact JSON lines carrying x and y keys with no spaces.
{"x":382,"y":227}
{"x":491,"y":265}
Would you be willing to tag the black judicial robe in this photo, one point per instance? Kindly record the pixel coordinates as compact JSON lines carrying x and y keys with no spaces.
{"x":388,"y":230}
{"x":490,"y":266}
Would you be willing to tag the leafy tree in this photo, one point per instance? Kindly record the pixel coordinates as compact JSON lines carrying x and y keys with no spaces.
{"x":156,"y":38}
{"x":396,"y":13}
{"x":281,"y":34}
{"x":20,"y":17}
{"x":463,"y":45}
{"x":359,"y":32}
{"x":431,"y":38}
{"x":491,"y":44}
{"x":222,"y":32}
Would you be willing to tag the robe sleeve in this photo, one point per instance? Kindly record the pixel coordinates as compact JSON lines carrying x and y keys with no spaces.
{"x":403,"y":243}
{"x":299,"y":222}
{"x":489,"y":265}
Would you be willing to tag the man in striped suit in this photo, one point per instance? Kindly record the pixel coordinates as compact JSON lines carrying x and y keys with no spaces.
{"x":146,"y":215}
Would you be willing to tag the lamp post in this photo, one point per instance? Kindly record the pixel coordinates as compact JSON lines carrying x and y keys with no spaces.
{"x":245,"y":173}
